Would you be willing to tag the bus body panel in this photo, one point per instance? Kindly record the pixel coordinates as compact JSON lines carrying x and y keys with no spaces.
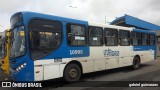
{"x":64,"y":51}
{"x":92,"y":58}
{"x":93,"y":63}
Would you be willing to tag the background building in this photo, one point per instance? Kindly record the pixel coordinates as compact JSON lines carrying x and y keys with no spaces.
{"x":130,"y":21}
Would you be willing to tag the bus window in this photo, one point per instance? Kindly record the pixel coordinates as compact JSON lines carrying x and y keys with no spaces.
{"x":151,"y":39}
{"x":95,"y":36}
{"x":45,"y":37}
{"x":76,"y":35}
{"x":124,"y":37}
{"x":18,"y":47}
{"x":111,"y":37}
{"x":144,"y":39}
{"x":135,"y":38}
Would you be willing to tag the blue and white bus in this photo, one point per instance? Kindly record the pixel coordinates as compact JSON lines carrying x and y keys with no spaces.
{"x":46,"y":47}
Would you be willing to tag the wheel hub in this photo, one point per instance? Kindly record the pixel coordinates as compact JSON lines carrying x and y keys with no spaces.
{"x":72,"y":73}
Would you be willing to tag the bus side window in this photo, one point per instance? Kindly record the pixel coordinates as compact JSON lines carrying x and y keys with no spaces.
{"x":135,"y":38}
{"x":45,"y":37}
{"x":111,"y":37}
{"x":76,"y":35}
{"x":151,"y":39}
{"x":95,"y":36}
{"x":145,"y":39}
{"x":124,"y":37}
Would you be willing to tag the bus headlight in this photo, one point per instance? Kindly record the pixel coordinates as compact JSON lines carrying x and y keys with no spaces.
{"x":17,"y":69}
{"x":21,"y":67}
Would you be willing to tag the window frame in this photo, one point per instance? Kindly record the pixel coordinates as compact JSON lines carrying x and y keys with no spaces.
{"x":105,"y":29}
{"x":129,"y":38}
{"x":12,"y":36}
{"x":147,"y":40}
{"x":102,"y":43}
{"x":151,"y":39}
{"x":135,"y":38}
{"x":68,"y":29}
{"x":29,"y":42}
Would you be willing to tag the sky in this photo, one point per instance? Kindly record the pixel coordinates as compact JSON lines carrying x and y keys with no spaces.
{"x":88,"y":10}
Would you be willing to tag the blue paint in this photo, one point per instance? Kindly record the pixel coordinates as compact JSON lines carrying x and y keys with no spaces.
{"x":132,"y":21}
{"x":27,"y":74}
{"x":145,"y":48}
{"x":117,"y":20}
{"x":127,"y":20}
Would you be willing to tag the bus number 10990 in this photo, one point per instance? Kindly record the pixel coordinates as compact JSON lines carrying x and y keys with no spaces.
{"x":76,"y":52}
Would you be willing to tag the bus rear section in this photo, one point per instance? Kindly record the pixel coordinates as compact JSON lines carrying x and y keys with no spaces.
{"x":120,"y":46}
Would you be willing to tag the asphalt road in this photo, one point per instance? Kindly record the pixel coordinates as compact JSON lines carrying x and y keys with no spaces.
{"x":149,"y":71}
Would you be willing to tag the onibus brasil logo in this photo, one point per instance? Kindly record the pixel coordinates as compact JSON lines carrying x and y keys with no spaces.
{"x":22,"y":84}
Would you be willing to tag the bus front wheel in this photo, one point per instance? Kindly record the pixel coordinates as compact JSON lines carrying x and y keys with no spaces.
{"x":72,"y":73}
{"x":136,"y":63}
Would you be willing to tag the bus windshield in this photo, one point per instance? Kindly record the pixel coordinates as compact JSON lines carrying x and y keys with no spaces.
{"x":18,"y":42}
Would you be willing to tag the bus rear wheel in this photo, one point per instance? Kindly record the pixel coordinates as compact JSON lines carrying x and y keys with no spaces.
{"x":136,"y":63}
{"x":72,"y":73}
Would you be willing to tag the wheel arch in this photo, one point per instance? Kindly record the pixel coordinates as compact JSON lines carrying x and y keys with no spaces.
{"x":136,"y":62}
{"x":74,"y":62}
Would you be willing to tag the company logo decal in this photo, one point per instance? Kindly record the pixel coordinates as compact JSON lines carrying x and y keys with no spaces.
{"x":110,"y":52}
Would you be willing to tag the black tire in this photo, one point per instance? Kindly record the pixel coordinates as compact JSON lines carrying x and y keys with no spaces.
{"x":136,"y":63}
{"x":72,"y":73}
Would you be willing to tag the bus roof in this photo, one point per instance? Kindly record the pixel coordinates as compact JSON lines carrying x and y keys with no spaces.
{"x":109,"y":26}
{"x":30,"y":15}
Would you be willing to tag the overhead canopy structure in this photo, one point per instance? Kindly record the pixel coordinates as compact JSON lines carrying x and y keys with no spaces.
{"x":130,"y":21}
